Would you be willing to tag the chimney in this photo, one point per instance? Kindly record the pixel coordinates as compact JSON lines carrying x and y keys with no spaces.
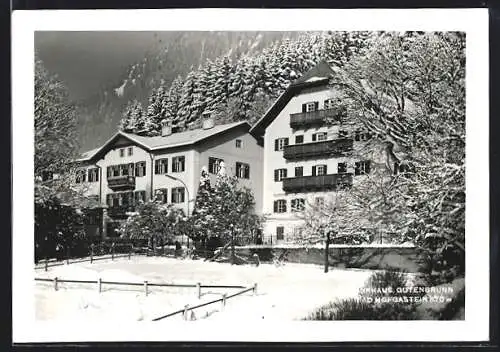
{"x":208,"y":121}
{"x":166,"y":129}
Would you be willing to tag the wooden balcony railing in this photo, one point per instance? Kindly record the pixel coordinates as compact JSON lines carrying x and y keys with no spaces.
{"x":121,"y":182}
{"x":332,"y":148}
{"x":317,"y":183}
{"x":318,"y":117}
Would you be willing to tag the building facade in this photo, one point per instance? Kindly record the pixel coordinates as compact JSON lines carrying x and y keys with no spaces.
{"x":130,"y":168}
{"x":312,"y":147}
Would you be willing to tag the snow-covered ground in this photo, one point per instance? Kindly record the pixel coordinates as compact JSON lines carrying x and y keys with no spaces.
{"x":286,"y":292}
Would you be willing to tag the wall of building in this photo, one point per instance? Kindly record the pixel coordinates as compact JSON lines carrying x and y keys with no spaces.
{"x":187,"y":176}
{"x":113,"y":157}
{"x":280,"y":128}
{"x":224,"y":147}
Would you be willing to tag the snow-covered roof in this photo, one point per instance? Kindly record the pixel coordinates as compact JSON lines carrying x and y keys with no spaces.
{"x":318,"y":75}
{"x":173,"y":140}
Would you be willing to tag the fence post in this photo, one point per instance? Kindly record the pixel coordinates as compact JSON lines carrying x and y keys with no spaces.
{"x":91,"y":253}
{"x":185,"y":313}
{"x":99,"y":285}
{"x":198,"y":288}
{"x":146,"y":287}
{"x":67,"y":256}
{"x":55,"y":283}
{"x":255,"y":289}
{"x":224,"y":300}
{"x":130,"y":252}
{"x":46,"y":263}
{"x":112,"y":251}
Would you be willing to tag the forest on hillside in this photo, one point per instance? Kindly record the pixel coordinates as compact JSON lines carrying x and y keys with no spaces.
{"x":234,"y":89}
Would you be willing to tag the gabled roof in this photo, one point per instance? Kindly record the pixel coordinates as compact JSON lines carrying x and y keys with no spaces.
{"x":178,"y":139}
{"x":317,"y":76}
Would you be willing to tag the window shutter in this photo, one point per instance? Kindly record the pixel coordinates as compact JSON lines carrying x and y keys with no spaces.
{"x":285,"y":171}
{"x":286,"y":141}
{"x":275,"y":206}
{"x":108,"y":171}
{"x":166,"y":166}
{"x":276,"y":175}
{"x":304,"y":108}
{"x":276,"y":145}
{"x":284,"y":206}
{"x":367,"y":168}
{"x":247,"y":171}
{"x":316,"y":105}
{"x":326,"y":170}
{"x":314,"y":137}
{"x":314,"y":170}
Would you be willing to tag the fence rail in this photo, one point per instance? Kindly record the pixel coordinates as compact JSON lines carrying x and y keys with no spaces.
{"x":154,"y":284}
{"x":223,"y":299}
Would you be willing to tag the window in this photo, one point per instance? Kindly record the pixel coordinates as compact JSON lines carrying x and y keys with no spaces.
{"x":280,"y":143}
{"x":239,"y":143}
{"x":178,"y":164}
{"x":280,"y":206}
{"x":280,"y":233}
{"x":299,"y":171}
{"x":341,"y":168}
{"x":161,"y":166}
{"x":279,"y":174}
{"x":80,"y":176}
{"x":161,"y":195}
{"x":319,"y":170}
{"x":299,"y":139}
{"x":93,"y":175}
{"x":178,"y":195}
{"x":139,"y":196}
{"x":130,"y":151}
{"x":311,"y":106}
{"x":329,"y":104}
{"x":140,"y":169}
{"x":242,"y":170}
{"x":319,"y":201}
{"x":113,"y":171}
{"x":343,"y":134}
{"x":320,"y":136}
{"x":214,"y":165}
{"x":401,"y":168}
{"x":122,"y":152}
{"x":362,"y":136}
{"x":126,"y":169}
{"x":362,"y":167}
{"x":298,"y":204}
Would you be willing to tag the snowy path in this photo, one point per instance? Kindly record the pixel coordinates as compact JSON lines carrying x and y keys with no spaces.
{"x":284,"y":293}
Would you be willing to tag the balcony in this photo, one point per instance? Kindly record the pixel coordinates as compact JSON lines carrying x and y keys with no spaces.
{"x":120,"y":212}
{"x":332,"y":148}
{"x":315,"y":118}
{"x":317,"y":183}
{"x":121,"y":183}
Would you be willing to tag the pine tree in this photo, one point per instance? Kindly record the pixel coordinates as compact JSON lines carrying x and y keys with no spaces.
{"x":186,"y":100}
{"x":172,"y":101}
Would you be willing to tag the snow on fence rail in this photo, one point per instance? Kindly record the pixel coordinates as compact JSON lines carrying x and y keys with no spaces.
{"x":145,"y":284}
{"x":223,"y":300}
{"x":50,"y":263}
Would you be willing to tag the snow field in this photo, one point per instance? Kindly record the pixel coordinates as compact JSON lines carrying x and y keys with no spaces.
{"x":283,"y":293}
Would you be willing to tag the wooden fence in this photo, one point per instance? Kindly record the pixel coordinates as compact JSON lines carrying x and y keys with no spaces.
{"x":99,"y":283}
{"x":184,"y":311}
